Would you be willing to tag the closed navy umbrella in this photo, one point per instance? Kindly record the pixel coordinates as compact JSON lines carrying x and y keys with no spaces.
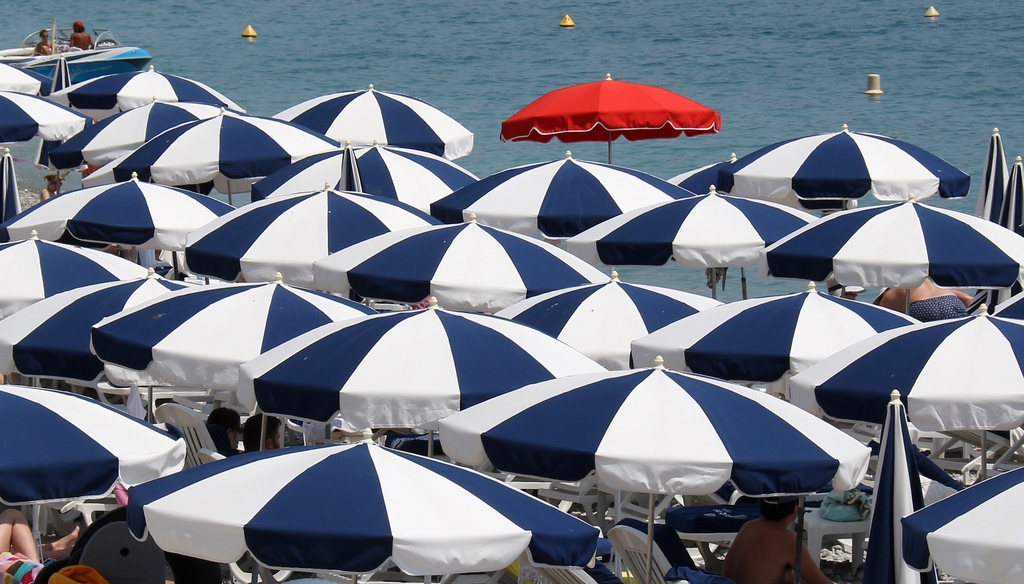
{"x":10,"y":200}
{"x":993,"y":180}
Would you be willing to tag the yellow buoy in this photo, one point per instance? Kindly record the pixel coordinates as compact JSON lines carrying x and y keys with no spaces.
{"x":874,"y":85}
{"x":249,"y":32}
{"x":566,"y":22}
{"x":931,"y":12}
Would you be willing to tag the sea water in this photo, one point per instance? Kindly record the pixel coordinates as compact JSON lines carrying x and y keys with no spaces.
{"x":774,"y":70}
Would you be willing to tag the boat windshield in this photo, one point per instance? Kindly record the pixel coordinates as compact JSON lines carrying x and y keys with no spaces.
{"x":101,"y":38}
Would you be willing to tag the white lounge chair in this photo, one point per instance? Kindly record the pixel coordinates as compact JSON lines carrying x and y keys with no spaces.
{"x":197,"y":437}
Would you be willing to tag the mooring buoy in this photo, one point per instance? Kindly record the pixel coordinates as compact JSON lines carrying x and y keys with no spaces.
{"x":874,"y":85}
{"x":566,"y":22}
{"x":249,"y":32}
{"x":931,"y":12}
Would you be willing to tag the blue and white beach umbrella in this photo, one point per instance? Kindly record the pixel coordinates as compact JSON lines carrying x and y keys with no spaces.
{"x":51,"y":337}
{"x":403,"y":369}
{"x":899,"y":245}
{"x":466,"y":267}
{"x":842,"y":165}
{"x":656,"y":431}
{"x":365,"y":117}
{"x":61,"y":79}
{"x":765,"y":339}
{"x":700,"y":180}
{"x":351,"y":508}
{"x":410,"y":176}
{"x":287,"y":234}
{"x":108,"y":95}
{"x":59,"y":446}
{"x":232,"y":150}
{"x":959,"y":374}
{"x":10,"y":198}
{"x":34,"y":269}
{"x":600,"y":320}
{"x":705,"y":231}
{"x":27,"y":81}
{"x":132,"y":213}
{"x":199,"y":336}
{"x":557,"y":199}
{"x":897,"y":494}
{"x":1011,"y":214}
{"x":974,"y":535}
{"x":121,"y":134}
{"x":23,"y":117}
{"x":993,"y":180}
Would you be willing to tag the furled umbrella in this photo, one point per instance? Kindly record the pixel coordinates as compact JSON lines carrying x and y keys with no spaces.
{"x":51,"y":338}
{"x":10,"y":198}
{"x":80,"y":447}
{"x":198,"y":337}
{"x":119,"y":135}
{"x":27,"y":81}
{"x":365,"y":117}
{"x":108,"y":95}
{"x":899,"y":245}
{"x":1011,"y":216}
{"x":233,"y":150}
{"x":957,"y":374}
{"x":600,"y":320}
{"x":35,"y":269}
{"x":466,"y":267}
{"x":897,"y":493}
{"x":427,"y":517}
{"x":131,"y":214}
{"x":993,"y":180}
{"x":605,"y":110}
{"x":23,"y":117}
{"x":287,"y":234}
{"x":558,"y":199}
{"x":448,"y":361}
{"x":410,"y":176}
{"x":843,"y":165}
{"x":974,"y":535}
{"x":765,"y":339}
{"x":706,"y":231}
{"x":700,"y":180}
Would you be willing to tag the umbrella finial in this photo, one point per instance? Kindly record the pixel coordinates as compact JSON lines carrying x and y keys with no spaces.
{"x":732,"y":157}
{"x":894,"y":397}
{"x":222,"y":110}
{"x":371,"y":87}
{"x":432,"y":303}
{"x":846,"y":128}
{"x":607,"y":76}
{"x":152,"y":68}
{"x":472,"y":218}
{"x":615,"y":276}
{"x":712,"y":190}
{"x":151,"y":273}
{"x":34,"y":236}
{"x":367,"y":436}
{"x":982,"y":310}
{"x":348,"y":143}
{"x":995,"y":131}
{"x":911,"y":198}
{"x":1015,"y":161}
{"x":812,"y":288}
{"x":327,"y":186}
{"x":278,"y":278}
{"x":659,"y":363}
{"x":375,"y":143}
{"x":135,"y":176}
{"x":8,"y":151}
{"x":568,"y":154}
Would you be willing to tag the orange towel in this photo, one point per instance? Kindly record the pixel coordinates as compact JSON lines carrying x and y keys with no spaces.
{"x":77,"y":575}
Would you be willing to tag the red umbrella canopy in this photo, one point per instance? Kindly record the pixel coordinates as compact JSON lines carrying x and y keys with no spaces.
{"x":604,"y":110}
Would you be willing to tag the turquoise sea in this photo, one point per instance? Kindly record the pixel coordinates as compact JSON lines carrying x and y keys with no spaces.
{"x":774,"y":70}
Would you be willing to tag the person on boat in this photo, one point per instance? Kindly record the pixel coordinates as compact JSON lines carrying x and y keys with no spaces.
{"x":53,"y":182}
{"x":44,"y":46}
{"x":80,"y":38}
{"x":928,"y":302}
{"x":763,"y":551}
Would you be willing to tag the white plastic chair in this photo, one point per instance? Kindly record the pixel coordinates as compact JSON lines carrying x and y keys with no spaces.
{"x":197,"y":437}
{"x":631,"y":545}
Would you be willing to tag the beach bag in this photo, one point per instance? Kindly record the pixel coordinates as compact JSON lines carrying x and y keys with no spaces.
{"x":852,"y":505}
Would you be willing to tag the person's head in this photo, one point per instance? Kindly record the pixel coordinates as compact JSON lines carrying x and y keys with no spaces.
{"x":251,"y":433}
{"x":777,"y":508}
{"x":228,"y":419}
{"x":53,"y":182}
{"x":44,"y":35}
{"x":78,"y":26}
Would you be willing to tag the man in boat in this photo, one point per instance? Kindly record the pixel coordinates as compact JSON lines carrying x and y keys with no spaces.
{"x":44,"y":46}
{"x":80,"y":38}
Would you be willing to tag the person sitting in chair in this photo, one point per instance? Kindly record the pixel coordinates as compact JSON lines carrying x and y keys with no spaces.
{"x":19,"y":559}
{"x":44,"y":46}
{"x":251,"y":433}
{"x":764,"y":550}
{"x":225,"y":427}
{"x":80,"y":39}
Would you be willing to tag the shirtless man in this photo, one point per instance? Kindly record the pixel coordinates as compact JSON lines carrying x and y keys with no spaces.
{"x":764,"y":549}
{"x":935,"y":303}
{"x":80,"y":38}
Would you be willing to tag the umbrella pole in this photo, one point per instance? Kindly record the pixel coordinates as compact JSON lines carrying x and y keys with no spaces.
{"x":650,"y":540}
{"x":430,"y":444}
{"x":609,"y":147}
{"x":984,"y":454}
{"x":714,"y":284}
{"x":263,"y":432}
{"x":798,"y":564}
{"x":743,"y":281}
{"x":906,"y":302}
{"x":149,"y":404}
{"x":36,"y":531}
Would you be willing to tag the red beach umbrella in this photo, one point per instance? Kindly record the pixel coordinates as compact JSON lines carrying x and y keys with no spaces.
{"x":604,"y":110}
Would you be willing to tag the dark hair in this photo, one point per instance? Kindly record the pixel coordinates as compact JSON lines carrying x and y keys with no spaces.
{"x":774,"y":510}
{"x":226,"y":418}
{"x":251,"y":431}
{"x":43,"y":31}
